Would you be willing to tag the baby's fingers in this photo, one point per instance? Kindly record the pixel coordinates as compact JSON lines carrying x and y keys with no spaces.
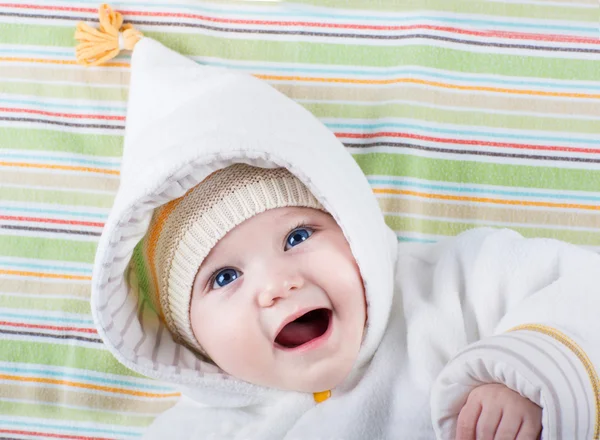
{"x":508,"y":428}
{"x":466,"y":424}
{"x":530,"y":430}
{"x":488,"y":422}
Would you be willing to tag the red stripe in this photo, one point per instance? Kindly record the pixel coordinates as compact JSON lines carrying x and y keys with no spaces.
{"x":62,"y":115}
{"x":373,"y":135}
{"x":466,"y":142}
{"x":497,"y":34}
{"x":48,"y":327}
{"x":51,"y":220}
{"x":48,"y":434}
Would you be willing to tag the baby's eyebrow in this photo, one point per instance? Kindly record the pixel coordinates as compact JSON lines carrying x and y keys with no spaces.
{"x":207,"y":269}
{"x":210,"y":266}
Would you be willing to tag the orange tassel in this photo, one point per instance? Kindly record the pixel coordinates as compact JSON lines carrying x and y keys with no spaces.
{"x":97,"y":46}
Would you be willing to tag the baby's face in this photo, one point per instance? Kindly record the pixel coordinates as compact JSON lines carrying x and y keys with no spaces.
{"x":279,"y":301}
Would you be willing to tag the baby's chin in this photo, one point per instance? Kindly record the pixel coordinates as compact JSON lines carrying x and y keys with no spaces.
{"x":315,"y":378}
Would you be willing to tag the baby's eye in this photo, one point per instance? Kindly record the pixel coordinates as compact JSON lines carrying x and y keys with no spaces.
{"x":297,"y":236}
{"x":225,"y":277}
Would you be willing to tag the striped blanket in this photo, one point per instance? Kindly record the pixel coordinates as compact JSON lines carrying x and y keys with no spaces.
{"x":462,"y":113}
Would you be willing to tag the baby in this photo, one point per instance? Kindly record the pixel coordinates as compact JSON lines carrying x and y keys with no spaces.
{"x":247,"y":262}
{"x":286,"y":283}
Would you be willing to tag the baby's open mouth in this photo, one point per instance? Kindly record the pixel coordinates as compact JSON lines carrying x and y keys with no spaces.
{"x":304,"y":329}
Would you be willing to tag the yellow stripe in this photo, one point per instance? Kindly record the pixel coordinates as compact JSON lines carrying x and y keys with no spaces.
{"x":58,"y":167}
{"x":44,"y":275}
{"x":581,"y":355}
{"x":63,"y":62}
{"x":355,"y":81}
{"x":86,"y":386}
{"x":428,"y":83}
{"x":488,"y":200}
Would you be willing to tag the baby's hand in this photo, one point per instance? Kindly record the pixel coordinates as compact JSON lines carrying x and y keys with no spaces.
{"x":495,"y":412}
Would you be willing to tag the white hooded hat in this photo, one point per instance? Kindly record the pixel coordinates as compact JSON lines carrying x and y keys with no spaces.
{"x":185,"y":121}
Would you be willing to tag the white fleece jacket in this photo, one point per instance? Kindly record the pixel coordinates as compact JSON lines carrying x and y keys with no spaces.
{"x":487,"y":306}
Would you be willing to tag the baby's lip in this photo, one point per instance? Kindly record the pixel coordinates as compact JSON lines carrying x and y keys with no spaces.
{"x":293,"y":317}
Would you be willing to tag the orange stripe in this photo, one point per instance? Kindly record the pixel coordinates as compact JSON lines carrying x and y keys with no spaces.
{"x":358,"y":81}
{"x":152,"y":240}
{"x":486,"y":200}
{"x":44,"y":275}
{"x":59,"y":167}
{"x":63,"y":62}
{"x":428,"y":83}
{"x":86,"y":385}
{"x":48,"y":327}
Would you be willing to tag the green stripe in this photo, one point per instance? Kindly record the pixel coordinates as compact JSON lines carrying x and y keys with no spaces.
{"x":37,"y":303}
{"x":141,"y":270}
{"x":384,"y":56}
{"x":442,"y":227}
{"x":343,"y":54}
{"x":70,"y":91}
{"x":31,"y":138}
{"x":58,"y":412}
{"x":83,"y":358}
{"x":56,"y":197}
{"x":497,"y":9}
{"x":459,"y":171}
{"x":323,"y":110}
{"x":47,"y":248}
{"x":454,"y":116}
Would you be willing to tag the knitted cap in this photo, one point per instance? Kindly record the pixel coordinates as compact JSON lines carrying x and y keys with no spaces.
{"x":183,"y":231}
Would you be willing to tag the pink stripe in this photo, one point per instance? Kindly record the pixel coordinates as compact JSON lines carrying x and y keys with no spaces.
{"x":51,"y":220}
{"x":48,"y":434}
{"x":62,"y":115}
{"x":496,"y":34}
{"x":466,"y":142}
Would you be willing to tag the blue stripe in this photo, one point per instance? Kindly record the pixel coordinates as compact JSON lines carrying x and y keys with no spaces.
{"x":69,"y":106}
{"x":54,"y":211}
{"x":31,"y":317}
{"x":481,"y":80}
{"x":61,"y":159}
{"x":58,"y":53}
{"x":42,"y":266}
{"x":369,"y":128}
{"x":69,"y":428}
{"x":464,"y":189}
{"x":365,"y":73}
{"x":86,"y":378}
{"x":298,"y":11}
{"x":415,"y":240}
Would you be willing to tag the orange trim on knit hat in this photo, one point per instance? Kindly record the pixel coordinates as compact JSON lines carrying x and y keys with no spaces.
{"x":154,"y":230}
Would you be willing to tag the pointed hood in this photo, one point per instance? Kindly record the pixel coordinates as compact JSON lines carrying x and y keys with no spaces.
{"x":184,"y":122}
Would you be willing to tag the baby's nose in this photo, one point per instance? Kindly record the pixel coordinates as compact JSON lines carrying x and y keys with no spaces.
{"x":277,"y":287}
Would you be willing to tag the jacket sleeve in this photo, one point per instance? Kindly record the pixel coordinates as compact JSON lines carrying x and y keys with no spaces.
{"x":531,"y":312}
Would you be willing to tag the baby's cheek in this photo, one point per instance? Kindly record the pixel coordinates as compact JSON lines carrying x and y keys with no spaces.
{"x":210,"y":328}
{"x":235,"y":346}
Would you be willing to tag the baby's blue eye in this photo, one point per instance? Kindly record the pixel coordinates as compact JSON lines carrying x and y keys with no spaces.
{"x":297,"y":236}
{"x":225,"y":277}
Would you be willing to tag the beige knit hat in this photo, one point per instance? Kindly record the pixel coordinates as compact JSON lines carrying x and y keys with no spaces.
{"x":183,"y":231}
